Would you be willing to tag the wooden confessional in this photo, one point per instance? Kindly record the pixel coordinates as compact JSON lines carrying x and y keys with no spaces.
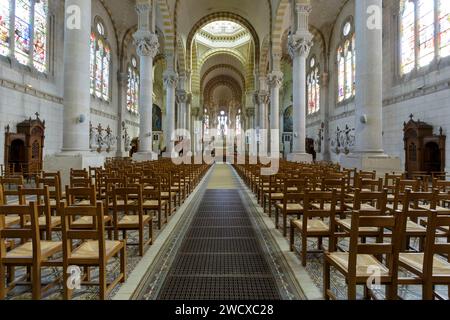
{"x":24,"y":149}
{"x":424,"y":151}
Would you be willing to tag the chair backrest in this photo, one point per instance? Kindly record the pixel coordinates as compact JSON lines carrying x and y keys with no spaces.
{"x":436,"y":224}
{"x":80,"y":182}
{"x":25,"y":212}
{"x":389,"y":249}
{"x":10,"y":186}
{"x":128,"y":199}
{"x":53,"y":185}
{"x":377,"y":199}
{"x":41,"y":196}
{"x":75,"y":195}
{"x":370,"y":184}
{"x":315,"y":205}
{"x":412,"y":204}
{"x":335,"y":184}
{"x":96,"y":232}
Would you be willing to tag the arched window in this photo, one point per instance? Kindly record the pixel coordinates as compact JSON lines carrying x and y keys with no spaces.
{"x":28,"y":21}
{"x":313,"y":86}
{"x":424,"y":33}
{"x":100,"y":63}
{"x":133,"y":87}
{"x":346,"y":63}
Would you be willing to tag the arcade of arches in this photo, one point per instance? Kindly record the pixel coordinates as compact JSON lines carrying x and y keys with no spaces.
{"x":330,"y":91}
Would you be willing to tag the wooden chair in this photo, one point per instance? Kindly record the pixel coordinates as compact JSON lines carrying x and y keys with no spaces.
{"x":372,"y":203}
{"x":361,"y":262}
{"x":33,"y":254}
{"x":88,"y":248}
{"x":41,"y":196}
{"x":318,"y":220}
{"x":82,"y":197}
{"x":273,"y":194}
{"x":133,"y":218}
{"x":54,"y":191}
{"x":152,"y":199}
{"x":428,"y":266}
{"x":292,"y":202}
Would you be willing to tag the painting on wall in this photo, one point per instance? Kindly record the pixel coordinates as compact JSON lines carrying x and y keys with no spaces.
{"x":157,"y":118}
{"x":288,"y":120}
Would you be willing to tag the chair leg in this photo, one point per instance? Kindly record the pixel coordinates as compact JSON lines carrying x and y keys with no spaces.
{"x":351,"y":289}
{"x":102,"y":281}
{"x":292,"y":238}
{"x":427,"y":290}
{"x":141,"y":241}
{"x":284,"y":225}
{"x":277,"y":213}
{"x":2,"y":282}
{"x":123,"y":262}
{"x":326,"y":279}
{"x":36,"y":281}
{"x":304,"y":248}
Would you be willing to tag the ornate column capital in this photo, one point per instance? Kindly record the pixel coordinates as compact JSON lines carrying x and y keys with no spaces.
{"x":170,"y":79}
{"x":275,"y":79}
{"x":183,"y":97}
{"x":147,"y":44}
{"x":300,"y":43}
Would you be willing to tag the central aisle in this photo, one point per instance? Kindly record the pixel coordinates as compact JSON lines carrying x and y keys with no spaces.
{"x":220,"y":257}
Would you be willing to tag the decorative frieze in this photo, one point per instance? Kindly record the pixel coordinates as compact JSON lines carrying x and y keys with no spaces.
{"x":30,"y":91}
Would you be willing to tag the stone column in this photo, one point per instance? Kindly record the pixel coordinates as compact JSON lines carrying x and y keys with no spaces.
{"x":300,"y":44}
{"x":147,"y":47}
{"x":275,"y":80}
{"x":77,"y":98}
{"x":253,"y":148}
{"x":170,"y":84}
{"x":122,"y":78}
{"x":368,"y":153}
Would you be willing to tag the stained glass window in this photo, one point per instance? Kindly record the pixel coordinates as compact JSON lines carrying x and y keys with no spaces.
{"x":22,"y":31}
{"x":341,"y":74}
{"x":313,"y":87}
{"x":346,"y":64}
{"x":100,"y":63}
{"x":444,"y":28}
{"x":30,"y":32}
{"x":407,"y":35}
{"x":4,"y":27}
{"x":426,"y":32}
{"x":40,"y":36}
{"x":133,"y":87}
